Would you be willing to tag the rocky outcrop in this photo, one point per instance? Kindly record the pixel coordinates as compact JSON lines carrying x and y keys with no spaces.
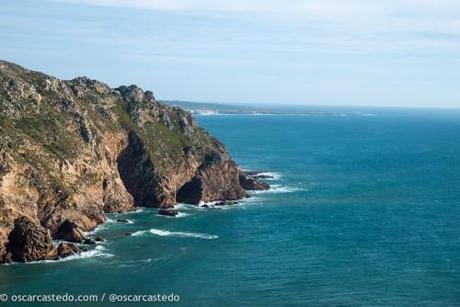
{"x":249,"y":183}
{"x":29,"y":241}
{"x":69,"y":231}
{"x":66,"y":249}
{"x":71,"y":151}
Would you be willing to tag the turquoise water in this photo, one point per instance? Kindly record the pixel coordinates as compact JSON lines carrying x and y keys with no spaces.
{"x":365,"y":211}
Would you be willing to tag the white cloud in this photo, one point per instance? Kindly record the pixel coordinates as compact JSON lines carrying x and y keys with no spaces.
{"x":295,"y":28}
{"x":363,"y":15}
{"x":331,"y":8}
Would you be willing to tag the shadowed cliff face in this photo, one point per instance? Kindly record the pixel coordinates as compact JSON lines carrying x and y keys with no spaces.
{"x":73,"y":150}
{"x":191,"y":192}
{"x":137,"y":173}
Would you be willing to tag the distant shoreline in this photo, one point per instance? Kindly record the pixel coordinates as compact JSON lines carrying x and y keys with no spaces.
{"x":213,"y":109}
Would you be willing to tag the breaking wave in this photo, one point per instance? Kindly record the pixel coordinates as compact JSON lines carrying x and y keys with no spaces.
{"x":166,"y":233}
{"x":98,"y":251}
{"x":277,"y":188}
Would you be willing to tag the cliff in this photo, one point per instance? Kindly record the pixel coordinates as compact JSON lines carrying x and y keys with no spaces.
{"x":71,"y":151}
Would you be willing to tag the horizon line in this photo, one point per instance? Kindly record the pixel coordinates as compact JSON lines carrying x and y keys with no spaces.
{"x":300,"y":104}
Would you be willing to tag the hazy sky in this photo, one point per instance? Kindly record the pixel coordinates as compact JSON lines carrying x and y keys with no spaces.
{"x":353,"y":52}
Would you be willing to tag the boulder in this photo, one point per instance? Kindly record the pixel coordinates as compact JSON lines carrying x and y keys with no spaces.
{"x":69,"y":231}
{"x":89,"y":241}
{"x":7,"y":258}
{"x":168,"y":212}
{"x":67,"y":249}
{"x":29,"y":241}
{"x":252,"y":184}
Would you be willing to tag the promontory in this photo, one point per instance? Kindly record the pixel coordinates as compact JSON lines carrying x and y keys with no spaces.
{"x":72,"y":151}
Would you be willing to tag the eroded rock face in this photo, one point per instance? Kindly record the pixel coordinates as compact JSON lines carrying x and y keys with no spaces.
{"x":70,"y":232}
{"x":207,"y":184}
{"x":29,"y":241}
{"x":115,"y":197}
{"x":74,"y":150}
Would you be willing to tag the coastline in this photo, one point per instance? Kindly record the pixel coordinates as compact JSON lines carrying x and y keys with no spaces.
{"x":108,"y":150}
{"x":184,"y":210}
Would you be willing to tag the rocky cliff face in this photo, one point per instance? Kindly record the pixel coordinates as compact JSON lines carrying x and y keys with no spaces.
{"x":70,"y":151}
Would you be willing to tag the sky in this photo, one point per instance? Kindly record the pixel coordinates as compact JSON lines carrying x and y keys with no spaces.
{"x":402,"y":53}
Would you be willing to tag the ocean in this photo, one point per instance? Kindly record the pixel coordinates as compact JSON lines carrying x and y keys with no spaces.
{"x":364,"y":210}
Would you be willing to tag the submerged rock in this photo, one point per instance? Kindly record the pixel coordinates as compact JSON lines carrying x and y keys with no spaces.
{"x":29,"y":241}
{"x":125,"y":221}
{"x":225,"y":203}
{"x":89,"y":241}
{"x":100,"y":239}
{"x":168,"y":212}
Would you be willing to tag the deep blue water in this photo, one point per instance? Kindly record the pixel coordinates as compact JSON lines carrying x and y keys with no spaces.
{"x":365,"y":212}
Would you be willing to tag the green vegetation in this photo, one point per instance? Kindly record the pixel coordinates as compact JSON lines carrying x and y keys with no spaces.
{"x":50,"y":130}
{"x":2,"y":115}
{"x":124,"y":117}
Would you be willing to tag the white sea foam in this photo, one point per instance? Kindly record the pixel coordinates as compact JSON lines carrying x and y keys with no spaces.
{"x":99,"y":227}
{"x":273,"y":175}
{"x":125,"y":221}
{"x":138,"y":233}
{"x":138,"y":210}
{"x":210,"y":204}
{"x":162,"y":233}
{"x":166,"y":233}
{"x":105,"y":225}
{"x":201,"y":205}
{"x":98,"y":251}
{"x":182,"y":206}
{"x":277,"y":188}
{"x":213,"y":204}
{"x":179,"y":215}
